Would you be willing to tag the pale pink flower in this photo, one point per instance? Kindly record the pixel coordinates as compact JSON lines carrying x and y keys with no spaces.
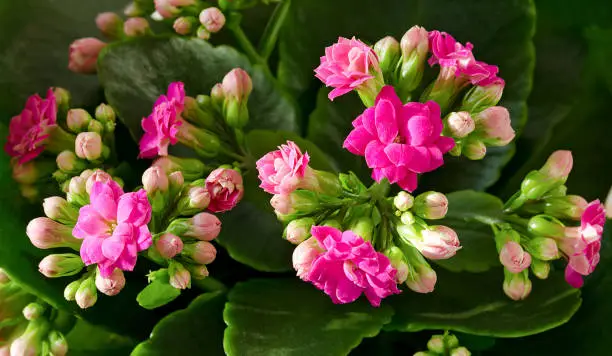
{"x":113,"y":227}
{"x":162,"y":126}
{"x":347,"y":65}
{"x":349,"y":267}
{"x":438,"y":243}
{"x":514,"y":258}
{"x":83,"y":55}
{"x":225,"y":188}
{"x":282,"y":171}
{"x":399,"y":141}
{"x":29,"y":130}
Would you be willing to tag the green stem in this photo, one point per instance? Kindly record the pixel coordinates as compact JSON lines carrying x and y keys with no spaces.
{"x":209,"y":284}
{"x":244,"y":42}
{"x":270,"y":35}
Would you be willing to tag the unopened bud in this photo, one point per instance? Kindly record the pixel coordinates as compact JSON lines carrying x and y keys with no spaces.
{"x":460,"y":351}
{"x":495,"y":125}
{"x":86,"y":296}
{"x":197,"y":199}
{"x":202,"y":33}
{"x":304,"y":255}
{"x":62,"y":98}
{"x":403,"y":201}
{"x":399,"y":262}
{"x":300,"y":201}
{"x":543,"y":248}
{"x":95,"y":126}
{"x":191,"y":168}
{"x":31,"y":172}
{"x":89,"y":146}
{"x":184,"y":25}
{"x":363,"y":227}
{"x":112,"y":284}
{"x":60,"y":210}
{"x":558,"y":166}
{"x":237,"y":86}
{"x":422,"y":279}
{"x":198,"y":271}
{"x":132,"y":9}
{"x":506,"y":235}
{"x":298,"y":230}
{"x":68,"y":162}
{"x":60,"y":265}
{"x":540,"y":269}
{"x":460,"y":124}
{"x":388,"y":51}
{"x":431,"y":205}
{"x":407,"y":218}
{"x":414,"y":46}
{"x":78,"y":120}
{"x":217,"y":95}
{"x":565,"y":207}
{"x":474,"y":149}
{"x":154,"y":179}
{"x":169,"y":245}
{"x":203,"y":226}
{"x":57,"y":343}
{"x":83,"y":55}
{"x":541,"y":225}
{"x":212,"y":19}
{"x":106,"y":115}
{"x":479,"y":98}
{"x":30,"y":342}
{"x":136,"y":26}
{"x":110,"y":24}
{"x":438,"y":242}
{"x":71,"y":290}
{"x":180,"y":278}
{"x":33,"y":311}
{"x":514,"y":258}
{"x":201,"y":252}
{"x":45,"y":233}
{"x":436,"y":344}
{"x":517,"y":286}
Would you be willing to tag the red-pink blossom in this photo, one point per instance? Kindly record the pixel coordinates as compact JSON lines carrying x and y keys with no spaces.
{"x":225,"y":188}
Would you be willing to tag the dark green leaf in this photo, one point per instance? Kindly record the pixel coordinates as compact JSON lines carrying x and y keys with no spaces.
{"x":197,"y":330}
{"x":86,"y":339}
{"x":290,"y":317}
{"x":157,"y":293}
{"x":468,"y":212}
{"x":134,"y":73}
{"x":476,"y":304}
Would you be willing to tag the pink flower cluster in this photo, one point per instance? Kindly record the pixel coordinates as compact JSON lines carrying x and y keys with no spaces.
{"x":344,"y":266}
{"x":29,"y":130}
{"x":451,"y":54}
{"x":162,"y":126}
{"x":399,"y":141}
{"x":585,"y":247}
{"x":282,"y":171}
{"x":113,"y":227}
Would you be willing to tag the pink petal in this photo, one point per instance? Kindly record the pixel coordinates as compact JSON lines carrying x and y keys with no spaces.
{"x":375,"y":155}
{"x":573,"y":278}
{"x":386,"y":121}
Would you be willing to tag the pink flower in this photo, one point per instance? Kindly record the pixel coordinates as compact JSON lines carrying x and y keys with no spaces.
{"x":162,"y":126}
{"x":83,"y":55}
{"x":225,"y":188}
{"x":349,"y":267}
{"x":347,"y":65}
{"x":113,"y":227}
{"x":399,"y":141}
{"x":282,"y":171}
{"x":29,"y":130}
{"x":514,"y":258}
{"x":586,"y":246}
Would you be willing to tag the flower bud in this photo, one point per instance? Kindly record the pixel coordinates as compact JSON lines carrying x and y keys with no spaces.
{"x":460,"y":124}
{"x":69,"y":163}
{"x":565,"y":207}
{"x":112,"y":284}
{"x":300,"y":202}
{"x":298,"y":230}
{"x":474,"y":149}
{"x":203,"y":226}
{"x":110,"y":24}
{"x":60,"y":265}
{"x":45,"y":233}
{"x":438,"y":242}
{"x":403,"y":201}
{"x":202,"y":33}
{"x":89,"y":146}
{"x":136,"y":26}
{"x":62,"y":98}
{"x":541,"y":225}
{"x":407,"y":218}
{"x":217,"y":95}
{"x":201,"y":252}
{"x":460,"y":351}
{"x":543,"y":248}
{"x":76,"y":192}
{"x":363,"y":227}
{"x":540,"y":269}
{"x":179,"y":276}
{"x":86,"y":296}
{"x":191,"y":168}
{"x":479,"y":98}
{"x":304,"y":256}
{"x":422,"y":279}
{"x":33,"y":311}
{"x":78,"y":120}
{"x":495,"y":125}
{"x":106,"y":116}
{"x":237,"y":86}
{"x":58,"y":209}
{"x":388,"y":52}
{"x":57,"y":343}
{"x":71,"y":290}
{"x":225,"y":188}
{"x":414,"y":46}
{"x":4,"y":278}
{"x":441,"y":344}
{"x":184,"y":25}
{"x":431,"y":205}
{"x":84,"y":55}
{"x":212,"y":19}
{"x":514,"y":258}
{"x":169,"y":245}
{"x":197,"y":199}
{"x":558,"y":166}
{"x":198,"y":271}
{"x":29,"y":343}
{"x":175,"y":182}
{"x":399,"y":262}
{"x":154,"y":179}
{"x":517,"y":286}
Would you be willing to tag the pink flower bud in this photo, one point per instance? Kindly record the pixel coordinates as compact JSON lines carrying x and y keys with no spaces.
{"x":474,"y":150}
{"x":431,"y":205}
{"x":86,"y":296}
{"x":180,"y":278}
{"x":559,"y":165}
{"x":514,"y":258}
{"x":237,"y":84}
{"x":199,"y":198}
{"x":165,"y":8}
{"x":204,"y":227}
{"x":217,"y":95}
{"x":517,"y":286}
{"x":565,"y":207}
{"x":201,"y":252}
{"x":60,"y":265}
{"x":45,"y":233}
{"x":176,"y":179}
{"x":212,"y":19}
{"x":299,"y":230}
{"x":403,"y":201}
{"x":183,"y":26}
{"x":88,"y":146}
{"x":136,"y":26}
{"x":438,"y":242}
{"x":154,"y":179}
{"x":423,"y":280}
{"x":58,"y":209}
{"x":496,"y":126}
{"x":169,"y":245}
{"x":109,"y":23}
{"x":67,"y":161}
{"x":112,"y":284}
{"x":304,"y":256}
{"x":460,"y":124}
{"x":33,"y":311}
{"x":77,"y":186}
{"x":97,"y":176}
{"x":83,"y":55}
{"x":415,"y":39}
{"x":282,"y":204}
{"x":57,"y":343}
{"x":399,"y":262}
{"x":78,"y":120}
{"x":225,"y":188}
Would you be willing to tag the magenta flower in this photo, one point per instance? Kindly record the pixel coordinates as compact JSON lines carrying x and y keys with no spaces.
{"x":585,"y":256}
{"x":282,"y":171}
{"x":162,"y":126}
{"x":225,"y":188}
{"x":349,"y":267}
{"x":347,"y":65}
{"x":29,"y":130}
{"x":399,"y":141}
{"x":113,"y":227}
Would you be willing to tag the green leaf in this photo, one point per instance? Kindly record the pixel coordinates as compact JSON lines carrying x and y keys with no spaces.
{"x":159,"y":292}
{"x":468,"y":213}
{"x":251,"y":232}
{"x":86,"y":339}
{"x":135,"y":72}
{"x":476,"y":304}
{"x":290,"y":317}
{"x":503,"y":39}
{"x":197,"y":330}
